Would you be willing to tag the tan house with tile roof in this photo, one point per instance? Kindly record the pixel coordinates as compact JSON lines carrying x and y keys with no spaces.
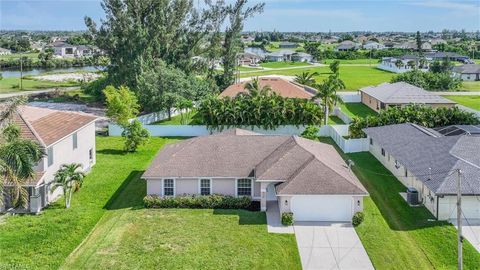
{"x":280,"y":86}
{"x":65,"y":137}
{"x":302,"y":176}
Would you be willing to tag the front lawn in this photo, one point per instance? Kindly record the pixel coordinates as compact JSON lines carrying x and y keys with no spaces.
{"x":44,"y":241}
{"x":468,"y":101}
{"x":284,"y":64}
{"x":131,"y":237}
{"x":8,"y":85}
{"x":397,"y":236}
{"x":366,"y":61}
{"x":470,"y":86}
{"x":191,"y":119}
{"x":357,"y":110}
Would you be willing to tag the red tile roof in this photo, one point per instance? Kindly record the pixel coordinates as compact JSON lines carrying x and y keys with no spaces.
{"x":280,"y":86}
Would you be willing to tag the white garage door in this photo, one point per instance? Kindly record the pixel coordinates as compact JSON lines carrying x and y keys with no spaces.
{"x":322,"y":208}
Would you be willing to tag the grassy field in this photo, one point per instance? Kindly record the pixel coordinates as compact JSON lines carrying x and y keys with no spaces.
{"x":191,"y":119}
{"x":247,"y":68}
{"x":284,"y":64}
{"x":353,"y":61}
{"x":355,"y":77}
{"x":44,"y":241}
{"x":75,"y":96}
{"x":356,"y":110}
{"x":334,"y":120}
{"x":9,"y":85}
{"x":18,"y":55}
{"x":470,"y":86}
{"x":469,"y":101}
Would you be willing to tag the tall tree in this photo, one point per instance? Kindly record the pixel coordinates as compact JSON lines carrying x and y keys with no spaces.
{"x":327,"y":94}
{"x":70,"y":179}
{"x":255,"y":89}
{"x":418,"y":39}
{"x":237,"y":14}
{"x":306,"y":78}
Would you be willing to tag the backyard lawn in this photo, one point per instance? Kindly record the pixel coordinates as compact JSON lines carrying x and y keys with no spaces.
{"x":183,"y":119}
{"x":468,"y":101}
{"x":470,"y":86}
{"x":8,"y":85}
{"x":356,"y":109}
{"x":351,"y":61}
{"x":284,"y":64}
{"x":355,"y":77}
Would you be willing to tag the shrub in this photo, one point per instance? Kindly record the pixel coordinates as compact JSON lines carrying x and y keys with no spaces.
{"x":310,"y":132}
{"x":358,"y":218}
{"x":441,"y":81}
{"x":135,"y":135}
{"x":204,"y":202}
{"x":287,"y":218}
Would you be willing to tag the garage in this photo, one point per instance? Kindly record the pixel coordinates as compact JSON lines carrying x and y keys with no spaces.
{"x":321,"y":208}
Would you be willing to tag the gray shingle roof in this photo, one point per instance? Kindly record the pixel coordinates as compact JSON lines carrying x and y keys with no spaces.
{"x":304,"y":166}
{"x":432,"y":157}
{"x":467,"y":69}
{"x":403,"y":93}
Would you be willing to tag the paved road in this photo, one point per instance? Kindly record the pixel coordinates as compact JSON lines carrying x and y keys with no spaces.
{"x":36,"y":92}
{"x":325,"y":245}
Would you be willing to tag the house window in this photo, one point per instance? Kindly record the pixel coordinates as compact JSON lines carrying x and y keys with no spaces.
{"x":50,"y":156}
{"x":406,"y":172}
{"x":90,"y":154}
{"x":168,"y":187}
{"x":205,"y":187}
{"x":244,"y":187}
{"x":75,"y":141}
{"x":383,"y":152}
{"x":371,"y":141}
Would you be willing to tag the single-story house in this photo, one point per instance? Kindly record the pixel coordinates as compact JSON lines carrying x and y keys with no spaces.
{"x":246,"y":58}
{"x":4,"y":51}
{"x":65,"y":137}
{"x":468,"y":72}
{"x":372,"y":45}
{"x":412,"y":45}
{"x":278,"y":85}
{"x":347,"y":45}
{"x":399,"y":94}
{"x":427,"y":160}
{"x":404,"y":63}
{"x":307,"y":178}
{"x":288,"y":45}
{"x":302,"y":57}
{"x":280,"y":56}
{"x":63,"y":49}
{"x":440,"y":56}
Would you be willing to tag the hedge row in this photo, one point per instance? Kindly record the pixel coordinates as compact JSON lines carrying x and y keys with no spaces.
{"x":210,"y":201}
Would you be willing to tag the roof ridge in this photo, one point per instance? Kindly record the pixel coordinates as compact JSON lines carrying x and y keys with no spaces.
{"x":30,"y":127}
{"x":269,"y":155}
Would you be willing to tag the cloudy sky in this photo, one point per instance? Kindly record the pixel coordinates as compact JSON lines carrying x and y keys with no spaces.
{"x":281,"y":15}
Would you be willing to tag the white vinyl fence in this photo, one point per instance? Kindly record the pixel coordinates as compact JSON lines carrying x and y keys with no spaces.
{"x":350,"y":97}
{"x":338,"y":113}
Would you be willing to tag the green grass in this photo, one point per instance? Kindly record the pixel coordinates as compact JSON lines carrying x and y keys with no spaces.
{"x":44,"y":241}
{"x":131,"y":237}
{"x":247,"y":68}
{"x":468,"y":101}
{"x":75,"y":96}
{"x":334,"y":120}
{"x":357,"y":109}
{"x":352,"y":61}
{"x":19,"y":55}
{"x":355,"y":77}
{"x":9,"y":85}
{"x":284,"y":64}
{"x":470,"y":86}
{"x":191,"y":119}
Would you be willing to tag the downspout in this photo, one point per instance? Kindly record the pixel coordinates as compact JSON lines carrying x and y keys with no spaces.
{"x":438,"y":198}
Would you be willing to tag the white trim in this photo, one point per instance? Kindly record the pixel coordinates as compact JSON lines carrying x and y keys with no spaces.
{"x":251,"y":186}
{"x":361,"y":195}
{"x":174,"y":187}
{"x":200,"y":185}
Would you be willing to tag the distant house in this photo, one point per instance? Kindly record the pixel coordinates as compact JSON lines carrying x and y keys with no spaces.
{"x":437,"y":41}
{"x":65,"y":50}
{"x":427,"y":160}
{"x":278,"y":85}
{"x":468,"y":72}
{"x":347,"y":45}
{"x":389,"y":44}
{"x":65,"y":137}
{"x":412,"y":45}
{"x":362,"y":39}
{"x":279,"y":56}
{"x":372,"y":45}
{"x":440,"y":56}
{"x":246,"y":58}
{"x":288,"y":45}
{"x":399,"y":94}
{"x":404,"y":63}
{"x":4,"y":51}
{"x":302,"y":57}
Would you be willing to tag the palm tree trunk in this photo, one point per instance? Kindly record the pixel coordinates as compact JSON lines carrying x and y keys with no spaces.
{"x":69,"y":197}
{"x":325,"y":121}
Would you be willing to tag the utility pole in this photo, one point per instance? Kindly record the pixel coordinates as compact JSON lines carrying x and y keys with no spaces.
{"x":459,"y":219}
{"x":21,"y":72}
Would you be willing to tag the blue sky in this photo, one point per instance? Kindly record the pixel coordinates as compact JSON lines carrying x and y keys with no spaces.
{"x":282,"y":15}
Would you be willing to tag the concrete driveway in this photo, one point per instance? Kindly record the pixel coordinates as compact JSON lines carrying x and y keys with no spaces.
{"x":326,"y":245}
{"x":470,"y":231}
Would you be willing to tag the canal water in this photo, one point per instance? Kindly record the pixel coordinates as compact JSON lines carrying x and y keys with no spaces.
{"x":14,"y":73}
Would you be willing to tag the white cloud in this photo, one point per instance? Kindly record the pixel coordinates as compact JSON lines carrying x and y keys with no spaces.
{"x":469,"y":6}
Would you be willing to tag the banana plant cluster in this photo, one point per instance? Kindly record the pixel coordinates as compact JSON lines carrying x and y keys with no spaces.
{"x":418,"y":114}
{"x":265,"y":110}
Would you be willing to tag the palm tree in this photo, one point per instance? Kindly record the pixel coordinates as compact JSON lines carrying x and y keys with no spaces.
{"x":18,"y":156}
{"x":306,"y":78}
{"x":69,"y":179}
{"x":327,"y":94}
{"x":399,"y":63}
{"x":411,"y":64}
{"x":255,"y":89}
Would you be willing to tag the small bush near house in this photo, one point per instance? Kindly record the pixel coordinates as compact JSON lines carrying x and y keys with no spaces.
{"x":310,"y":132}
{"x":358,"y":218}
{"x":287,"y":218}
{"x":204,"y":202}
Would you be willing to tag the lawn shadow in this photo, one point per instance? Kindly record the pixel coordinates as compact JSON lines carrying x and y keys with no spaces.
{"x":130,"y":194}
{"x":245,"y":217}
{"x":115,"y":152}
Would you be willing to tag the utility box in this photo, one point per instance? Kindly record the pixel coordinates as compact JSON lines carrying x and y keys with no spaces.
{"x":412,"y":196}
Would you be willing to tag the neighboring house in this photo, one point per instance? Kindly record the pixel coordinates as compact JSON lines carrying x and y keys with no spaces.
{"x":63,"y":49}
{"x":83,"y":50}
{"x":302,"y":57}
{"x":346,"y":45}
{"x":246,"y":58}
{"x":440,"y":56}
{"x":427,"y":160}
{"x":404,"y":63}
{"x":362,"y":39}
{"x":4,"y":51}
{"x":468,"y":72}
{"x":307,"y":178}
{"x":372,"y":45}
{"x":280,"y":56}
{"x":278,"y":85}
{"x":389,"y":44}
{"x":400,"y":94}
{"x":65,"y":137}
{"x":437,"y":41}
{"x":288,"y":45}
{"x":412,"y":45}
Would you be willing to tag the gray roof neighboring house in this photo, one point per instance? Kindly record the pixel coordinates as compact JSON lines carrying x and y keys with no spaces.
{"x":303,"y":166}
{"x":4,"y":50}
{"x":432,"y":157}
{"x":467,"y":69}
{"x":403,"y":93}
